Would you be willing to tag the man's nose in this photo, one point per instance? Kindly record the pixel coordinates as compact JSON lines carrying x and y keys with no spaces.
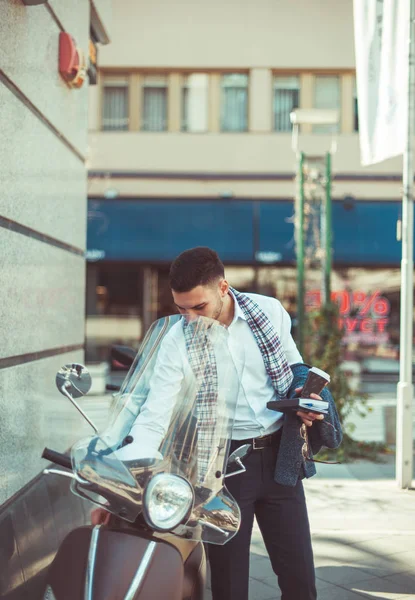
{"x":191,"y":315}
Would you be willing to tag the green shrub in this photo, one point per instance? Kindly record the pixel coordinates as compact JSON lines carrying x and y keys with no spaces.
{"x":323,"y":348}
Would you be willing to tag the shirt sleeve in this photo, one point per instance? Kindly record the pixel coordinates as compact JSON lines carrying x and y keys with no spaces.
{"x":151,"y":425}
{"x":282,"y":323}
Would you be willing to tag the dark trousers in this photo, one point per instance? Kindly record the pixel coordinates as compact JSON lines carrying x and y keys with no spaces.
{"x":281,"y":514}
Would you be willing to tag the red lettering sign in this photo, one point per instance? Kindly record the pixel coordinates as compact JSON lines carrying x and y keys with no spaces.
{"x":361,"y":314}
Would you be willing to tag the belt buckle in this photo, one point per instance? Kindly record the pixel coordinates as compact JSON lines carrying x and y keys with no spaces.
{"x":254,"y":446}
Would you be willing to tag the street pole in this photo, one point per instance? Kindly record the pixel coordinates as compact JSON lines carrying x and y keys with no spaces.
{"x":256,"y":248}
{"x":327,"y":235}
{"x":404,"y":442}
{"x":300,"y":254}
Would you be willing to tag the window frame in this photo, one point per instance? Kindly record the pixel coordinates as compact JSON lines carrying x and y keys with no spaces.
{"x":120,"y":81}
{"x":275,"y":76}
{"x":328,"y":129}
{"x":145,"y":87}
{"x":224,"y":74}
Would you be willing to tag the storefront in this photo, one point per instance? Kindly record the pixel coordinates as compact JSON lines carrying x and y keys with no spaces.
{"x":131,"y":243}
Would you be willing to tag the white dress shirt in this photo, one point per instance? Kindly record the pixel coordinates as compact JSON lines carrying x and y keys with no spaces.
{"x":248,"y":377}
{"x":253,"y":418}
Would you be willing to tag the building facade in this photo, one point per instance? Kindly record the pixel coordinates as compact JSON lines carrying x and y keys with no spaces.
{"x":191,"y":144}
{"x":43,"y":124}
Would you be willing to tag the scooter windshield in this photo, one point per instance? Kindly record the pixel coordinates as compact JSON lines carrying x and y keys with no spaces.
{"x":172,"y":419}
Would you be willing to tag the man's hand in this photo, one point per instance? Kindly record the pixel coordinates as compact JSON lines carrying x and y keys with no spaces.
{"x":100,"y":516}
{"x":308,"y":417}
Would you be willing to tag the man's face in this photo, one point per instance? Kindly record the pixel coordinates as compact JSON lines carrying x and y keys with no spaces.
{"x":203,"y":300}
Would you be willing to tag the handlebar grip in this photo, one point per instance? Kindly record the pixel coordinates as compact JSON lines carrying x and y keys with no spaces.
{"x":111,"y":387}
{"x":56,"y":457}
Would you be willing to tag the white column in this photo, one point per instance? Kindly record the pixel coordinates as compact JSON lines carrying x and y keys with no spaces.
{"x":404,"y":441}
{"x":260,"y":100}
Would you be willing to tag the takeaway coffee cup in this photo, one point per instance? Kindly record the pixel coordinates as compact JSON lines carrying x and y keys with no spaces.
{"x":315,"y":382}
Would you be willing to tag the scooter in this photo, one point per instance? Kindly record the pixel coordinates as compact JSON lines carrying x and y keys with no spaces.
{"x":156,"y":471}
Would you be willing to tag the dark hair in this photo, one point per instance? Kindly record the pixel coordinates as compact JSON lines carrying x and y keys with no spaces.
{"x":197,"y":266}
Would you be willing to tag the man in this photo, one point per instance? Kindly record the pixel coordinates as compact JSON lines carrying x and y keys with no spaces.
{"x":270,"y":367}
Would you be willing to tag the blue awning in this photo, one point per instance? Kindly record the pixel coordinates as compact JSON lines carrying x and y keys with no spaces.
{"x":241,"y":231}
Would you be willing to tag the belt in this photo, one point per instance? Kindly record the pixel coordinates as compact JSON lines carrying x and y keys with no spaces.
{"x":259,"y":443}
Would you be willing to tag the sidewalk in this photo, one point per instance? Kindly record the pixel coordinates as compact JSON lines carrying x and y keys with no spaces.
{"x":363,"y":530}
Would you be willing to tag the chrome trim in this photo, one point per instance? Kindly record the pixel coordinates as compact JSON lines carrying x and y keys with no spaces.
{"x":49,"y":595}
{"x":74,"y":476}
{"x":242,"y":469}
{"x":89,"y":576}
{"x":139,"y":576}
{"x":65,"y":392}
{"x":212,"y":526}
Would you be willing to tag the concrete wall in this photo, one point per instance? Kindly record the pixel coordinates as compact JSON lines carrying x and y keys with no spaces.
{"x":306,"y":38}
{"x":237,"y":34}
{"x":231,"y":154}
{"x":43,"y":126}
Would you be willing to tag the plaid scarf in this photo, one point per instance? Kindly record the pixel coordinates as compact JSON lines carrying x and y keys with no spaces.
{"x":268,"y":342}
{"x":203,"y":363}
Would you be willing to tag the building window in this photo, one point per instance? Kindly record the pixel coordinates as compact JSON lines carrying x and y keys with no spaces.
{"x":195,"y":101}
{"x":234,"y":102}
{"x":327,"y":95}
{"x":155,"y":93}
{"x":286,"y":98}
{"x":115,"y":105}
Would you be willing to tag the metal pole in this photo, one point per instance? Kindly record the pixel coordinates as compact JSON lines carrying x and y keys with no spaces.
{"x":300,"y":254}
{"x":256,"y":247}
{"x":327,"y":234}
{"x":404,"y":443}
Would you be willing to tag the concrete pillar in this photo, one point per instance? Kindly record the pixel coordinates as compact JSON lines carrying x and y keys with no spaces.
{"x":214,"y":103}
{"x":134,"y":102}
{"x":175,"y":102}
{"x":306,"y":96}
{"x":197,"y":88}
{"x":260,"y":100}
{"x":347,"y":103}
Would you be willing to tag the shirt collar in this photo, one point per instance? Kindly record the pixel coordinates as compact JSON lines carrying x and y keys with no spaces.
{"x":238,"y":313}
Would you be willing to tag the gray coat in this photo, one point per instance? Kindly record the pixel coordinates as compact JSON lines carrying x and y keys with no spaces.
{"x":290,"y":464}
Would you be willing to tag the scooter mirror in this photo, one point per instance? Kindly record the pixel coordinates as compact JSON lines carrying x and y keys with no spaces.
{"x":75,"y":379}
{"x":239,"y":453}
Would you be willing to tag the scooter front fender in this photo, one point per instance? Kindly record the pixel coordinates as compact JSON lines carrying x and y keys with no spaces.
{"x":98,"y":563}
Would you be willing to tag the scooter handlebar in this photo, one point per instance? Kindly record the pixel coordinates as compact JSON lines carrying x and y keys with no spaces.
{"x":111,"y":387}
{"x":56,"y":457}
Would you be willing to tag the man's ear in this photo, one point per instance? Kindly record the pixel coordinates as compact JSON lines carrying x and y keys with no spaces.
{"x":223,"y":287}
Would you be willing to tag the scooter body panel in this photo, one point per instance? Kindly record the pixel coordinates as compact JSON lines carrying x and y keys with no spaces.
{"x":105,"y":564}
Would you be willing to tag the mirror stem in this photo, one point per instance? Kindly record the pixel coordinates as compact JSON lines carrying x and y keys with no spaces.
{"x":242,"y":468}
{"x":65,"y":474}
{"x":76,"y":405}
{"x":212,"y":526}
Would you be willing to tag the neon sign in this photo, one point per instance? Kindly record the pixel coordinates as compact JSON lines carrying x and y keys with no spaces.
{"x":363,"y":316}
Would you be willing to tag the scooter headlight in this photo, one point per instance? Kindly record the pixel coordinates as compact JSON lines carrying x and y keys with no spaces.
{"x":167,"y":500}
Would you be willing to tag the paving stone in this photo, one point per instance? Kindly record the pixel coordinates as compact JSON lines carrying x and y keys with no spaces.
{"x":389,"y":545}
{"x":381,"y":588}
{"x":336,"y":593}
{"x":261,"y":569}
{"x":341,"y":574}
{"x":262,"y":591}
{"x":406,"y":578}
